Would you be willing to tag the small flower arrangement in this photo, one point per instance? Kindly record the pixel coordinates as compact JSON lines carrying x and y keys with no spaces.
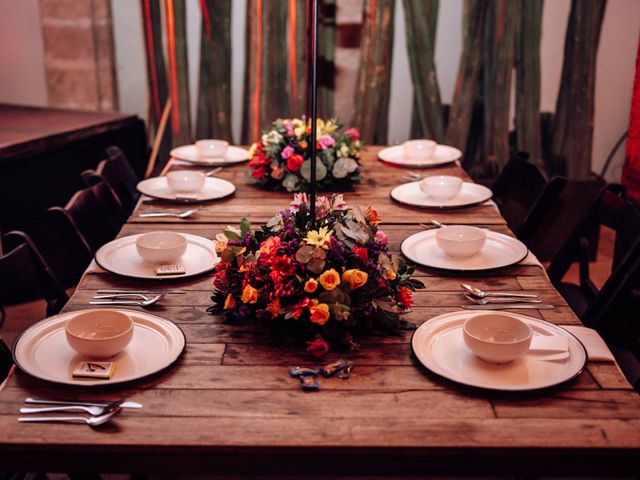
{"x":325,"y":285}
{"x":281,"y":158}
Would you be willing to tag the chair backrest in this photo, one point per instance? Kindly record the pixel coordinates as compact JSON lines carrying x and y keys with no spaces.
{"x":94,"y":213}
{"x":611,"y":209}
{"x":118,"y":173}
{"x":524,"y":195}
{"x":25,"y":275}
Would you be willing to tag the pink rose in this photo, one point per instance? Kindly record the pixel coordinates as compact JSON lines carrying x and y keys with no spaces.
{"x":326,"y":141}
{"x":382,"y":237}
{"x":287,"y":152}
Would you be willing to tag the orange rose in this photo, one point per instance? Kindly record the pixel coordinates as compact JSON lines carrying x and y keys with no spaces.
{"x":249,"y":294}
{"x":329,"y":279}
{"x":319,"y":313}
{"x":356,"y":278}
{"x":229,"y":302}
{"x":311,"y":285}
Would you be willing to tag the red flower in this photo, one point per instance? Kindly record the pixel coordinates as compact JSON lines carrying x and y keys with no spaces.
{"x":405,"y":296}
{"x":352,"y":133}
{"x":361,"y":252}
{"x":259,"y":172}
{"x":318,"y":347}
{"x":294,"y":162}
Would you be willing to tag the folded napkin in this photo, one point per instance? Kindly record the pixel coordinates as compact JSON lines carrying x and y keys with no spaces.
{"x":549,"y":347}
{"x":597,"y":349}
{"x":531,"y":259}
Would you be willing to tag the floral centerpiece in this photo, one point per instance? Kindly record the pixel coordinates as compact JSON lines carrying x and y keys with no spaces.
{"x":281,"y":158}
{"x":325,"y":284}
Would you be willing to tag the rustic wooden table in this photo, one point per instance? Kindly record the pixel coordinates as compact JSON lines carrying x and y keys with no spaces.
{"x":229,"y":406}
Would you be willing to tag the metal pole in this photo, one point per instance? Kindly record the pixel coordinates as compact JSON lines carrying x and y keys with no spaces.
{"x":312,"y":61}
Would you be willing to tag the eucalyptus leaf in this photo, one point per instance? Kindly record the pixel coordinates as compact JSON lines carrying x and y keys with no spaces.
{"x":305,"y":170}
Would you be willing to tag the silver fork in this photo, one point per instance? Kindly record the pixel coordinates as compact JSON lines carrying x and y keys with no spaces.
{"x":140,"y":303}
{"x":92,"y":410}
{"x":184,"y":214}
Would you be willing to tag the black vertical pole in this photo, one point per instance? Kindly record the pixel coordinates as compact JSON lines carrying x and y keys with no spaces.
{"x":312,"y":63}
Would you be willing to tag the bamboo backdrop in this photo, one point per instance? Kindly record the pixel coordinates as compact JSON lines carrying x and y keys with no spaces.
{"x":498,"y":35}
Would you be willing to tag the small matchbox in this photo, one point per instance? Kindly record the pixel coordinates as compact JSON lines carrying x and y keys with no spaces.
{"x":170,"y":270}
{"x":99,"y":370}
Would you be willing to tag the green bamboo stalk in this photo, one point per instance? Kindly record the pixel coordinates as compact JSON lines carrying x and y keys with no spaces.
{"x":374,"y":75}
{"x":266,"y":65}
{"x":471,"y":60}
{"x":421,"y":18}
{"x":498,"y":66}
{"x":214,"y":91}
{"x":529,"y":29}
{"x":183,"y":135}
{"x":573,"y":124}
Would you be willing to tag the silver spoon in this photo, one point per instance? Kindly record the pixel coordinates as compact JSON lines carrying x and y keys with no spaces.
{"x":184,"y":214}
{"x":476,"y":292}
{"x":93,"y":410}
{"x":140,"y":303}
{"x":213,"y":172}
{"x":484,"y":301}
{"x":91,"y":421}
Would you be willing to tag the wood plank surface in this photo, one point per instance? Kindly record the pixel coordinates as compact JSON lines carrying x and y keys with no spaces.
{"x":229,"y":405}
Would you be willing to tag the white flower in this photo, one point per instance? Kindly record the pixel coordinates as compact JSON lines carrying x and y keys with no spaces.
{"x":272,"y":137}
{"x":343,"y":151}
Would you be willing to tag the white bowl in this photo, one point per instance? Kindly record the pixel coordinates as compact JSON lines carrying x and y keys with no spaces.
{"x":212,"y":148}
{"x":185,"y":181}
{"x":161,"y":247}
{"x":460,"y":241}
{"x":419,"y":150}
{"x":497,"y":337}
{"x":100,"y":333}
{"x":441,"y":187}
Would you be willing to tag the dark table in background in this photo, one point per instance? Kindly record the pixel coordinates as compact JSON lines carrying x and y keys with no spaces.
{"x":44,"y":150}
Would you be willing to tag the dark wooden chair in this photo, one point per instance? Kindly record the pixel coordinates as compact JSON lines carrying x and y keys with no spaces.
{"x":116,"y":171}
{"x":94,"y":213}
{"x":25,"y":275}
{"x":610,"y":310}
{"x":524,"y":195}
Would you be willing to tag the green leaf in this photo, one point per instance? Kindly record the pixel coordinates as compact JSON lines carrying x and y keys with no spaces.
{"x":245,"y":227}
{"x":305,"y":170}
{"x":231,"y":235}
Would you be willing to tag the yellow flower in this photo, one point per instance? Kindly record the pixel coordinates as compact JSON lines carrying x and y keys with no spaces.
{"x":229,"y":302}
{"x":319,"y":313}
{"x":356,"y":278}
{"x":319,"y":238}
{"x":390,"y":274}
{"x":329,"y":279}
{"x":249,"y":294}
{"x":311,"y":285}
{"x":252,"y":150}
{"x":299,"y":127}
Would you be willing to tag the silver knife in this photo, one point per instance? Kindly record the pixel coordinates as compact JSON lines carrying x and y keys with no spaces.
{"x":125,"y":404}
{"x":157,"y":292}
{"x":504,"y":306}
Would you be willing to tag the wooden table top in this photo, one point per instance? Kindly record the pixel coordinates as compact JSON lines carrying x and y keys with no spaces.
{"x":229,"y":405}
{"x":26,"y":131}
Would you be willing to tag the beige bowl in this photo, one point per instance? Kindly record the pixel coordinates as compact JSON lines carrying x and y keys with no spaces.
{"x":161,"y":247}
{"x":460,"y":241}
{"x":101,"y":333}
{"x":497,"y":337}
{"x":185,"y":181}
{"x":211,"y":148}
{"x":419,"y":150}
{"x":441,"y":187}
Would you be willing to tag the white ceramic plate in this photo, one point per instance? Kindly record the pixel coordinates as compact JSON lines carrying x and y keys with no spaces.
{"x":444,"y":154}
{"x":498,"y":251}
{"x":470,"y":194}
{"x":188,"y":153}
{"x":43,"y":352}
{"x":439,"y":345}
{"x":214,"y":189}
{"x":120,"y":256}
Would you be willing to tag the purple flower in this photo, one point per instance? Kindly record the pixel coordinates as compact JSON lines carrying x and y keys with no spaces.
{"x":287,"y":152}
